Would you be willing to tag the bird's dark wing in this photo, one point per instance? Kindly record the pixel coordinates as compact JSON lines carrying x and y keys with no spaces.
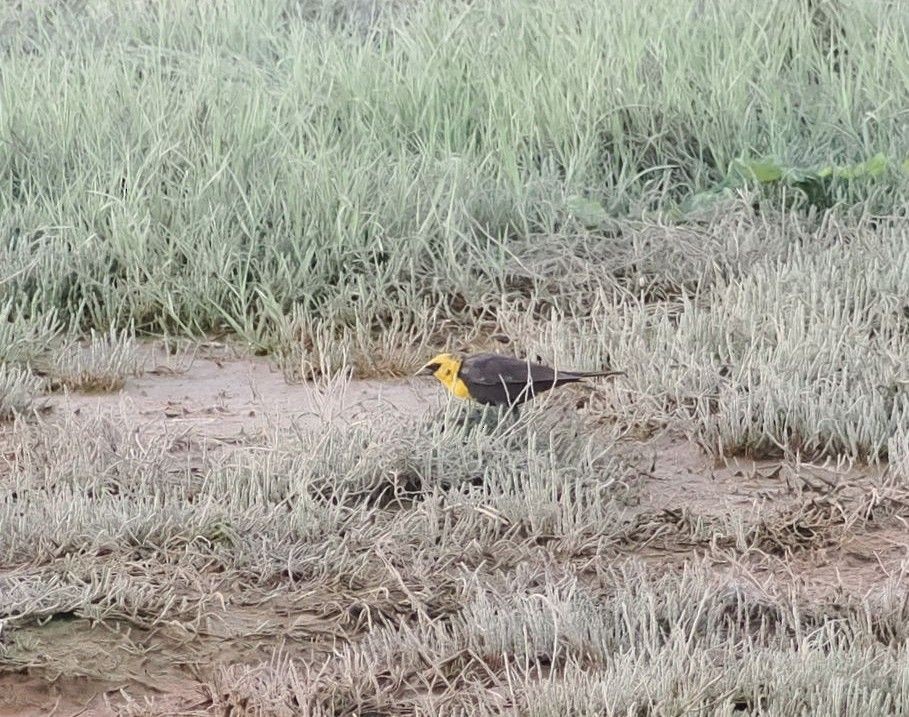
{"x":495,"y":369}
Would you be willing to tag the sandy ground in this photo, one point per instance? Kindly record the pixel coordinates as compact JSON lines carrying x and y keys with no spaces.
{"x":793,"y":504}
{"x":223,"y":400}
{"x":221,"y":397}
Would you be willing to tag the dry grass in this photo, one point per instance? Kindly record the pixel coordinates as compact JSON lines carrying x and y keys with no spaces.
{"x":18,"y":391}
{"x":100,"y":364}
{"x":432,"y":567}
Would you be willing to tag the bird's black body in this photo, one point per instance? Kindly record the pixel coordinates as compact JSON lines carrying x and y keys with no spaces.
{"x":497,"y":380}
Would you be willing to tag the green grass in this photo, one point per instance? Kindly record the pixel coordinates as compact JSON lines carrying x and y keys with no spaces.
{"x":186,"y":167}
{"x":775,"y":341}
{"x":362,"y":183}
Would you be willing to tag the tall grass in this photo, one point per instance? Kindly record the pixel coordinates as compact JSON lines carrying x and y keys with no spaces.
{"x":195,"y":167}
{"x":356,"y":183}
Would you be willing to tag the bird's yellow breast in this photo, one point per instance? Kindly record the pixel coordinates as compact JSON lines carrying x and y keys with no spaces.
{"x":447,"y":375}
{"x":458,"y":388}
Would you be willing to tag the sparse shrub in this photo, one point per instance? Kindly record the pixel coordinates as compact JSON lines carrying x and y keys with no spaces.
{"x":101,"y":364}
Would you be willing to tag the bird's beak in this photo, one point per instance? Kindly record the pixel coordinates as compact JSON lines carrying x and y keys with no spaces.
{"x":428,"y":370}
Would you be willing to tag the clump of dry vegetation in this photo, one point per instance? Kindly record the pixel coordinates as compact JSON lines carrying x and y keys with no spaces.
{"x":18,"y":391}
{"x":100,"y":364}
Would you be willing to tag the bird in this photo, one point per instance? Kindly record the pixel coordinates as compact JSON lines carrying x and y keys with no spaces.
{"x":497,"y":380}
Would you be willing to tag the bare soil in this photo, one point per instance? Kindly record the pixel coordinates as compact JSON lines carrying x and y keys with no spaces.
{"x":221,"y":397}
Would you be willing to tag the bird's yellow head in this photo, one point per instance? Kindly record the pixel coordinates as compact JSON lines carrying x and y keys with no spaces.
{"x":445,"y":368}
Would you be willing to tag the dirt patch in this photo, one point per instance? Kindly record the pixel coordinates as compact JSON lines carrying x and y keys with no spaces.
{"x":824,"y":530}
{"x":220,"y":397}
{"x":26,"y":695}
{"x":76,"y":666}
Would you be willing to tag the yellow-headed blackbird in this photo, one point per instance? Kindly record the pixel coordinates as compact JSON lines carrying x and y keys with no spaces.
{"x":497,"y":380}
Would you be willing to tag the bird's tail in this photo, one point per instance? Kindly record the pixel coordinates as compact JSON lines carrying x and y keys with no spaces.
{"x":598,"y":374}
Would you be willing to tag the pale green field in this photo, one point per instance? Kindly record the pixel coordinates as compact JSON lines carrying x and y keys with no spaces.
{"x":709,"y":195}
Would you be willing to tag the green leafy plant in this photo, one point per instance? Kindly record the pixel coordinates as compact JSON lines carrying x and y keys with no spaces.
{"x":814,"y":183}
